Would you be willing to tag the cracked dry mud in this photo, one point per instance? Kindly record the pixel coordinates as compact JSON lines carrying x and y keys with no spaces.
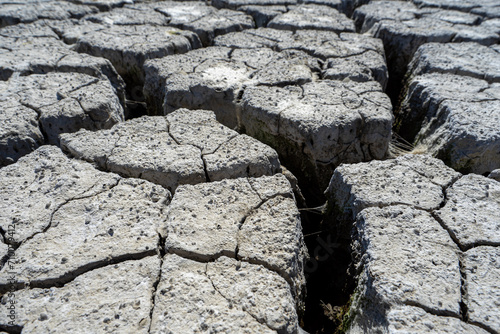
{"x":164,"y":166}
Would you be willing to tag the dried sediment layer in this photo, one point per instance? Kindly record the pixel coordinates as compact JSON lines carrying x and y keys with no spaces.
{"x":185,"y":147}
{"x":205,"y":20}
{"x":91,"y":244}
{"x":451,"y":105}
{"x":37,"y":108}
{"x":415,"y":248}
{"x":403,"y":26}
{"x":277,"y":97}
{"x":253,"y":220}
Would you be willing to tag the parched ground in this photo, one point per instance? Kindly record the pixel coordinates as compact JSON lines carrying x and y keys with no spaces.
{"x":249,"y":166}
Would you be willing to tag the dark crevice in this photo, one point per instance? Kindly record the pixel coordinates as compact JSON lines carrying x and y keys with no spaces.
{"x":2,"y":234}
{"x":329,"y":270}
{"x":161,"y":251}
{"x":199,"y":257}
{"x":485,"y":327}
{"x":464,"y":311}
{"x":218,"y":146}
{"x":171,"y":135}
{"x":15,"y":329}
{"x":135,"y":109}
{"x":39,"y":121}
{"x":440,"y":221}
{"x":450,"y":232}
{"x":207,"y":177}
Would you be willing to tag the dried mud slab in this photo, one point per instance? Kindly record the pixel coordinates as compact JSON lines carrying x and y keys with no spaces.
{"x":185,"y":147}
{"x":423,"y":245}
{"x":310,"y":16}
{"x":15,"y":12}
{"x":40,"y":107}
{"x":413,"y":180}
{"x":254,"y":220}
{"x":458,"y":120}
{"x":76,"y":219}
{"x":205,"y":20}
{"x":470,"y":212}
{"x":482,"y":272}
{"x":404,"y":26}
{"x":222,"y":296}
{"x":113,"y":299}
{"x":451,"y":105}
{"x":36,"y":49}
{"x":346,"y":55}
{"x":324,"y":123}
{"x":276,"y":97}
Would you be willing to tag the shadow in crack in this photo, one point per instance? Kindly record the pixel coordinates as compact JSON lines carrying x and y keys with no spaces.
{"x":329,"y":283}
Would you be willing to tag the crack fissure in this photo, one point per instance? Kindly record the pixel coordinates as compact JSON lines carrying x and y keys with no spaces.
{"x":260,"y":321}
{"x":207,"y":176}
{"x":60,"y":282}
{"x":161,"y":251}
{"x":433,"y":311}
{"x":15,"y":246}
{"x":464,"y":311}
{"x":39,"y":121}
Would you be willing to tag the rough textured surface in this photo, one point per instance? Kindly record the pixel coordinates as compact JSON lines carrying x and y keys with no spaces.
{"x":402,"y":263}
{"x":77,"y":219}
{"x":410,"y":319}
{"x":482,"y":270}
{"x":405,"y":245}
{"x":103,"y":5}
{"x":324,"y":123}
{"x":451,"y":103}
{"x":471,"y":211}
{"x":422,"y":245}
{"x":112,"y":299}
{"x":284,"y":98}
{"x":185,"y":147}
{"x":80,"y":221}
{"x":29,"y":11}
{"x":228,"y":296}
{"x":20,"y":132}
{"x":53,"y":104}
{"x":127,"y":47}
{"x":320,"y":122}
{"x":458,"y":120}
{"x":346,"y":55}
{"x":263,"y":14}
{"x":35,"y":49}
{"x":206,"y":21}
{"x":124,"y":46}
{"x":312,"y":16}
{"x":253,"y":220}
{"x":465,"y":59}
{"x":403,"y":27}
{"x":84,"y":233}
{"x":414,"y":180}
{"x":213,"y":77}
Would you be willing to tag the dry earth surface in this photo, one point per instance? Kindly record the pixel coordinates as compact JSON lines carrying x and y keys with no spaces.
{"x":249,"y":166}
